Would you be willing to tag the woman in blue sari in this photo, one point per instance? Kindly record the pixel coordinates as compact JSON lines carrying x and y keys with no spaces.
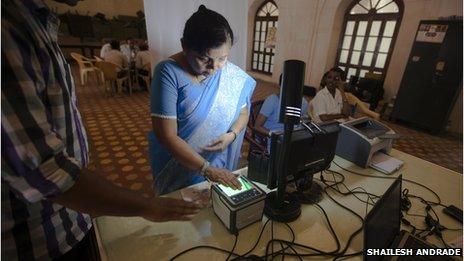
{"x":199,"y":107}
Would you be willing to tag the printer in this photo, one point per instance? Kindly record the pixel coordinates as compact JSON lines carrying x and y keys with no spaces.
{"x":360,"y":139}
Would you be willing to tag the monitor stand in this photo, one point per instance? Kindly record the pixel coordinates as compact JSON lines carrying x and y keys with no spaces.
{"x":308,"y":191}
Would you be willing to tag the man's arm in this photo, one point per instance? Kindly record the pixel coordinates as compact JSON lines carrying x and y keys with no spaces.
{"x":93,"y":195}
{"x":330,"y":117}
{"x":35,"y":165}
{"x":259,"y":125}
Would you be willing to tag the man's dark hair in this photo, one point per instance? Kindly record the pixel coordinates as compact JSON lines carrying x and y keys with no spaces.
{"x":114,"y":44}
{"x":206,"y":29}
{"x":334,"y":69}
{"x":143,"y":47}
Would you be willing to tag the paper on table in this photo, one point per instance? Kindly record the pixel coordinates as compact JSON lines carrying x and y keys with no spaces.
{"x":385,"y":163}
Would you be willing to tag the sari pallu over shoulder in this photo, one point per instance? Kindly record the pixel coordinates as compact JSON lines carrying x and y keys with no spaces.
{"x":219,"y":107}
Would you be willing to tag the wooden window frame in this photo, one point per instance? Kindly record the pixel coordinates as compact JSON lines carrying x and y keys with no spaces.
{"x":369,"y":18}
{"x":271,"y":53}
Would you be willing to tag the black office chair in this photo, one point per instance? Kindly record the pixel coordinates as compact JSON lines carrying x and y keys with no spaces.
{"x":309,"y":91}
{"x":367,"y":90}
{"x":370,"y":91}
{"x":257,"y":141}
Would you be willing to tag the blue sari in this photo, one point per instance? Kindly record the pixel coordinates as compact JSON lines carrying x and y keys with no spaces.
{"x":203,"y":112}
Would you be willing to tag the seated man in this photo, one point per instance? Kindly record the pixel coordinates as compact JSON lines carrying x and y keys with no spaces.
{"x":117,"y":57}
{"x":267,"y":120}
{"x":143,"y":59}
{"x":330,"y":102}
{"x":105,"y":48}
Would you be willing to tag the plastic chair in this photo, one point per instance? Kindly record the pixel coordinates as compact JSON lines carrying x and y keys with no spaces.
{"x":110,"y":72}
{"x":98,"y":59}
{"x":85,"y":66}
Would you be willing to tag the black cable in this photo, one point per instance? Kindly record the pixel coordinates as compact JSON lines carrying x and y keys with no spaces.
{"x":233,"y":248}
{"x":320,"y":252}
{"x":382,"y":177}
{"x":354,"y":213}
{"x":294,"y":251}
{"x":202,"y":246}
{"x":353,"y":192}
{"x":257,"y":241}
{"x":271,"y":242}
{"x":224,"y":250}
{"x":332,"y":253}
{"x":348,"y":255}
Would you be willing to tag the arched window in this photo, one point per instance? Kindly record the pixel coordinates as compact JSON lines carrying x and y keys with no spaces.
{"x":368,"y":37}
{"x":262,"y":57}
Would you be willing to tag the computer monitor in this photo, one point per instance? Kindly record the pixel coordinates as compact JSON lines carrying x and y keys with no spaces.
{"x":312,"y":149}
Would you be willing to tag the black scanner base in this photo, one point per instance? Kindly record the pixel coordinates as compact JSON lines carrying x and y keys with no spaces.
{"x":310,"y":196}
{"x":289,"y":211}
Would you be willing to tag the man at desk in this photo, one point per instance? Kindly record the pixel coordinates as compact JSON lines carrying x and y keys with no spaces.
{"x":268,"y":117}
{"x":330,"y":102}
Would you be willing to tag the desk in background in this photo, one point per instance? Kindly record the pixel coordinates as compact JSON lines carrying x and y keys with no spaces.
{"x":138,"y":239}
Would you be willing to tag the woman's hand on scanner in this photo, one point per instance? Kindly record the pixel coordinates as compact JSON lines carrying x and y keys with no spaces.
{"x":224,"y":177}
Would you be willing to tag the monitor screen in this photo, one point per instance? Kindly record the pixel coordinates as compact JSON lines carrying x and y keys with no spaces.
{"x":384,"y":219}
{"x":231,"y":192}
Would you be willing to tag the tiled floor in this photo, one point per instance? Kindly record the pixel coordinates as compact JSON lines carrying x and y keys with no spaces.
{"x":118,"y":127}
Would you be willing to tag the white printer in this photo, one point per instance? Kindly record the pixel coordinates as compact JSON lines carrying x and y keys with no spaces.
{"x":360,"y":139}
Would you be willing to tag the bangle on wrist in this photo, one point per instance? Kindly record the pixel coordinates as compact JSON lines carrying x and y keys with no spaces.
{"x":235,"y":135}
{"x":204,"y":167}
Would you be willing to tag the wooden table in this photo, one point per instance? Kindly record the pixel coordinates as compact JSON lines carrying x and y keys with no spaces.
{"x":139,"y":239}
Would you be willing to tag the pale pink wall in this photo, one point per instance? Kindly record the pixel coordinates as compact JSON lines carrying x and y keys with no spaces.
{"x":310,"y":31}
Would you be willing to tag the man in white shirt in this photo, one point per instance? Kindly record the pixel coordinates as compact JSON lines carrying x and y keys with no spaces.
{"x":143,"y":60}
{"x":330,"y":102}
{"x":143,"y":57}
{"x":127,"y":48}
{"x":117,"y":57}
{"x":105,"y":48}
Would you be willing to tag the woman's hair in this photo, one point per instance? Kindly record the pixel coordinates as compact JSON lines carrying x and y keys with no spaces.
{"x":334,"y":69}
{"x":206,"y":29}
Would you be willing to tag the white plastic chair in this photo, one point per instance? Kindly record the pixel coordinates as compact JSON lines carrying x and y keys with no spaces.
{"x":85,"y":66}
{"x":110,"y":72}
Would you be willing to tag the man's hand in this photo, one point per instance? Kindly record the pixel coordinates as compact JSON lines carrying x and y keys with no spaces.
{"x":220,"y":143}
{"x":161,"y":209}
{"x":224,"y":177}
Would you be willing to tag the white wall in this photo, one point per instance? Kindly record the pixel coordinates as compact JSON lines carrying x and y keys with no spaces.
{"x":307,"y":31}
{"x":108,"y":7}
{"x":310,"y":31}
{"x":166,"y":19}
